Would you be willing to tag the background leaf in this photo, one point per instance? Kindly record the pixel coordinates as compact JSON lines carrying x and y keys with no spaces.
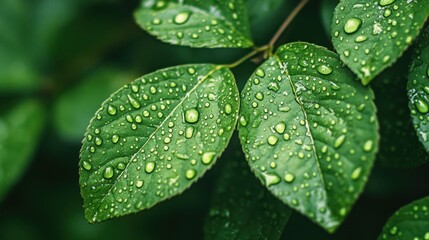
{"x":243,"y":209}
{"x":20,"y":128}
{"x":327,"y":8}
{"x":399,"y":145}
{"x":309,"y":131}
{"x":370,"y":37}
{"x":209,"y":23}
{"x":418,"y":89}
{"x":84,"y":99}
{"x":155,"y":137}
{"x":409,"y":222}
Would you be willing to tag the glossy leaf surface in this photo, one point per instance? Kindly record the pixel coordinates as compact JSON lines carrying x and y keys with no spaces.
{"x":309,"y":131}
{"x":155,"y":137}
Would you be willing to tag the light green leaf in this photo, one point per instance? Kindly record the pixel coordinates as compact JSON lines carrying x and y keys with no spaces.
{"x":241,"y":208}
{"x":371,"y":36}
{"x":399,"y":145}
{"x":209,"y":23}
{"x":409,"y":222}
{"x":309,"y":131}
{"x":418,"y":89}
{"x":155,"y":137}
{"x":20,"y":128}
{"x":73,"y":110}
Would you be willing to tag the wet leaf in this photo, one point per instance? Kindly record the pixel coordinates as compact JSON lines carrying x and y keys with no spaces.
{"x":399,"y":145}
{"x":243,"y":209}
{"x":155,"y":137}
{"x":309,"y":131}
{"x":210,"y":23}
{"x":371,"y":36}
{"x":409,"y":222}
{"x":20,"y":128}
{"x":73,"y":110}
{"x":418,"y":89}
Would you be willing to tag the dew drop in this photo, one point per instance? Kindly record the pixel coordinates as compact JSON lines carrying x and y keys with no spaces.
{"x":260,"y":73}
{"x":422,"y":106}
{"x":361,"y":38}
{"x":386,"y":2}
{"x":324,"y":69}
{"x":208,"y":157}
{"x":115,"y":138}
{"x":98,"y":141}
{"x":139,"y":183}
{"x":108,"y":172}
{"x":394,"y":230}
{"x":150,"y":166}
{"x":243,"y":121}
{"x":356,"y":173}
{"x":86,"y":165}
{"x":280,"y":127}
{"x":191,"y":71}
{"x":111,"y":110}
{"x":272,"y":140}
{"x":182,"y":18}
{"x":289,"y":177}
{"x":192,"y":115}
{"x":339,"y":141}
{"x":134,"y":103}
{"x":228,"y":108}
{"x":271,"y":179}
{"x":352,"y":25}
{"x":121,"y":166}
{"x":190,"y":174}
{"x":189,"y":132}
{"x":368,"y":146}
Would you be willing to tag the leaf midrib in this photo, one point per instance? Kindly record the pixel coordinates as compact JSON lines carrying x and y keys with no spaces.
{"x":215,"y":68}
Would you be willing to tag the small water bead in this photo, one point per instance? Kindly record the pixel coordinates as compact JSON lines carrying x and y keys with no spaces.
{"x":86,"y":165}
{"x":280,"y":127}
{"x":108,"y":172}
{"x":324,"y":69}
{"x":115,"y":138}
{"x":156,"y":21}
{"x":121,"y":166}
{"x":272,"y":140}
{"x":387,"y":12}
{"x":386,"y":2}
{"x":228,"y":108}
{"x":421,"y":106}
{"x":208,"y":157}
{"x":134,"y":103}
{"x":289,"y":177}
{"x":339,"y":141}
{"x":192,"y":115}
{"x":260,"y":73}
{"x":111,"y":110}
{"x":98,"y":141}
{"x":139,"y":183}
{"x":393,"y":230}
{"x":368,"y":146}
{"x":182,"y":17}
{"x":356,"y":173}
{"x":89,"y":137}
{"x":150,"y":166}
{"x":361,"y":38}
{"x":259,"y":96}
{"x":190,"y":174}
{"x":352,"y":25}
{"x":191,"y":71}
{"x":243,"y":121}
{"x":189,"y":132}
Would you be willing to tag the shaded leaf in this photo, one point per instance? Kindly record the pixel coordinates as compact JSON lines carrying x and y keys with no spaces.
{"x":309,"y":131}
{"x":259,"y":9}
{"x":210,"y":23}
{"x":155,"y":137}
{"x":370,"y":37}
{"x":20,"y":128}
{"x":241,"y":208}
{"x":399,"y":145}
{"x":327,"y":8}
{"x":74,"y":108}
{"x":418,"y":89}
{"x":409,"y":222}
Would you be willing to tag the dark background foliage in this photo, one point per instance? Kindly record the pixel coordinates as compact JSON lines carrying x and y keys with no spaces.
{"x":88,"y":50}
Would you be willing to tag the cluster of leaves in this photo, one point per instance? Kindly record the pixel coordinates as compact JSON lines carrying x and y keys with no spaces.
{"x":308,"y":128}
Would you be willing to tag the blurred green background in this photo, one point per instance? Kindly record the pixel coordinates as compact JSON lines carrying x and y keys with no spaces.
{"x":70,"y":55}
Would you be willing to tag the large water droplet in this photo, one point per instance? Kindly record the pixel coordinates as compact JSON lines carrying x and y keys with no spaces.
{"x":192,"y":115}
{"x":115,"y":138}
{"x":133,"y":102}
{"x":324,"y":69}
{"x":280,"y":127}
{"x":182,"y":17}
{"x":108,"y":172}
{"x":272,"y":140}
{"x":111,"y":110}
{"x":352,"y":25}
{"x":86,"y":165}
{"x":385,"y":2}
{"x":208,"y":157}
{"x":150,"y":166}
{"x":422,"y":106}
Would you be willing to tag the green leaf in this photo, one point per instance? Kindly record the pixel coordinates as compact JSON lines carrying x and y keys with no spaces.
{"x":209,"y":23}
{"x":418,"y":89}
{"x":399,"y":145}
{"x":259,"y":9}
{"x":155,"y":137}
{"x":20,"y":128}
{"x":309,"y":131}
{"x":371,"y":36}
{"x":409,"y":222}
{"x":241,"y":208}
{"x":327,"y":8}
{"x":73,"y":110}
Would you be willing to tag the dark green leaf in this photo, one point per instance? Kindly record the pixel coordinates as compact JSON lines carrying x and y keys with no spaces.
{"x":20,"y":128}
{"x":418,"y":89}
{"x":74,"y":109}
{"x":399,"y":145}
{"x":371,"y":36}
{"x":309,"y":131}
{"x":209,"y":23}
{"x":259,"y":9}
{"x":327,"y":8}
{"x":155,"y":137}
{"x":243,"y":209}
{"x":409,"y":222}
